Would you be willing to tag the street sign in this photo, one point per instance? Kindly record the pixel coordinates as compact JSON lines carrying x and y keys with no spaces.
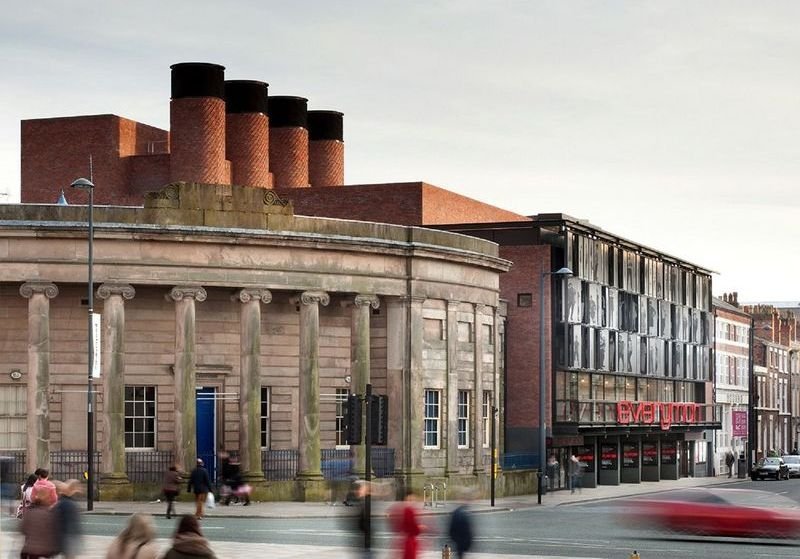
{"x":739,"y":420}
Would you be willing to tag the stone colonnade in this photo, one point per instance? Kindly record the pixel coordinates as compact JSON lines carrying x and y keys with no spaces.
{"x":404,"y":362}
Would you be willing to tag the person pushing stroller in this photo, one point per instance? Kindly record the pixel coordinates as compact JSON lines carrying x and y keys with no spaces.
{"x":232,"y":485}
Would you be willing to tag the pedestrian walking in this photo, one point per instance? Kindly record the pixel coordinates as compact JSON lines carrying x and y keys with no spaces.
{"x":189,"y":542}
{"x":26,"y":495}
{"x":575,"y":474}
{"x":460,"y":530}
{"x":729,"y":460}
{"x":407,"y":527}
{"x":171,"y":488}
{"x":200,"y":484}
{"x":44,"y":482}
{"x":39,"y":527}
{"x":136,"y":541}
{"x":68,"y":518}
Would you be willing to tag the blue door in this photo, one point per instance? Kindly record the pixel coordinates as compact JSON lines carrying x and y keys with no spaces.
{"x":206,"y":428}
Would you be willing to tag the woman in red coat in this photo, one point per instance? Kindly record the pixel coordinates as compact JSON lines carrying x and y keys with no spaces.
{"x":407,"y":527}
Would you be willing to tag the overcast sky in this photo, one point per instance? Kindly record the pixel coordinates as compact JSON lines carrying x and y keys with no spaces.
{"x":672,"y":123}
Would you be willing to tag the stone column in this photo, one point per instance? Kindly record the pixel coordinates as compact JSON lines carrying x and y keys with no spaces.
{"x":497,"y":378}
{"x":477,"y":393}
{"x":360,"y":366}
{"x":185,"y":374}
{"x":415,"y":386}
{"x":38,"y":294}
{"x":396,"y":372}
{"x":250,"y":382}
{"x":451,"y":443}
{"x":114,"y":483}
{"x":309,"y":455}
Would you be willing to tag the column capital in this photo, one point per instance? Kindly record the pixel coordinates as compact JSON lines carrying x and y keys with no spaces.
{"x":180,"y":292}
{"x":123,"y":289}
{"x":367,"y":300}
{"x":453,"y":305}
{"x":247,"y":294}
{"x":311,"y":297}
{"x":29,"y":288}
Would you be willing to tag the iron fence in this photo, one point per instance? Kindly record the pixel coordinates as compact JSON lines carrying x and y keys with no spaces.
{"x":12,"y":466}
{"x":279,"y":465}
{"x":71,"y":464}
{"x":337,"y":465}
{"x":148,"y":466}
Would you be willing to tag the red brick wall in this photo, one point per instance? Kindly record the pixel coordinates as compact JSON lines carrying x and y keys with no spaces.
{"x":326,"y":163}
{"x":147,"y":173}
{"x":197,"y":140}
{"x":288,"y":156}
{"x":441,"y":207}
{"x":400,"y":203}
{"x":522,"y":333}
{"x":56,"y":151}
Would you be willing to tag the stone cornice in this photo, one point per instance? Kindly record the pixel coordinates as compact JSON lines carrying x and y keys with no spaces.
{"x":108,"y":289}
{"x":247,"y":294}
{"x":28,"y":289}
{"x":180,"y":292}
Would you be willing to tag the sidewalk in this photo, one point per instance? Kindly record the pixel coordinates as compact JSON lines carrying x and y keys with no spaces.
{"x":274,"y":509}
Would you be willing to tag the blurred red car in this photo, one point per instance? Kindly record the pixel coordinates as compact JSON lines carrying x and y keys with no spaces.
{"x":743,"y":513}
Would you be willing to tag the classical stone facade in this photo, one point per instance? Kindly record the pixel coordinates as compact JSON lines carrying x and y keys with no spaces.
{"x":220,"y":293}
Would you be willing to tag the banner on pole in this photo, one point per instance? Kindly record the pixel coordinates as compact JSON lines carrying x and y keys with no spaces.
{"x":96,"y":345}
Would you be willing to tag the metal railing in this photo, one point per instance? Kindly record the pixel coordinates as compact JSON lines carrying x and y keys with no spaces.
{"x":71,"y":464}
{"x":337,"y":463}
{"x":148,"y":466}
{"x":279,"y":465}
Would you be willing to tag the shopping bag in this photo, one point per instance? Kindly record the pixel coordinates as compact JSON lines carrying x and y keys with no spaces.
{"x":210,"y":500}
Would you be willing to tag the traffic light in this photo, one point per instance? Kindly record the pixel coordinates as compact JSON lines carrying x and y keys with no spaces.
{"x":352,"y":420}
{"x":379,"y":420}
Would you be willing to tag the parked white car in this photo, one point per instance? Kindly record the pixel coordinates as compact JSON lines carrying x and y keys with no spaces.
{"x":793,"y":461}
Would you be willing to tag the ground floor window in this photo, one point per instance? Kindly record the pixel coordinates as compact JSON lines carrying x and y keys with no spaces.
{"x":13,"y":403}
{"x":265,"y":430}
{"x":463,"y":419}
{"x":432,"y":418}
{"x":140,"y":416}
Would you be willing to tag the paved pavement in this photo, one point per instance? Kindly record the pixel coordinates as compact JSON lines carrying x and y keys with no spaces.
{"x":95,"y":546}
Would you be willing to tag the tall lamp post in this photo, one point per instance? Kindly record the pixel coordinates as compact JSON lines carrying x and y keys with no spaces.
{"x":562,"y":273}
{"x":85,"y":184}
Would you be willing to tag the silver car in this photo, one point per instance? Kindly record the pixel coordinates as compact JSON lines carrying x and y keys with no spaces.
{"x":793,"y":461}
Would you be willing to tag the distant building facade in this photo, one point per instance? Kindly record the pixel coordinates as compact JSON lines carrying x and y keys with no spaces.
{"x":731,"y":378}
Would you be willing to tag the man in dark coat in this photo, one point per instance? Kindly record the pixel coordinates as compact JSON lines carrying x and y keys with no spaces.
{"x":201,"y":484}
{"x":461,"y":530}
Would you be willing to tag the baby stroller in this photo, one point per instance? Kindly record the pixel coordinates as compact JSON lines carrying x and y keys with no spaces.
{"x":234,"y":494}
{"x":233,"y":490}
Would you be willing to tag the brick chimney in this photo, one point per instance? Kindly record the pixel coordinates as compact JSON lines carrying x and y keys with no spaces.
{"x":325,"y":148}
{"x":288,"y":141}
{"x":247,"y":132}
{"x":197,"y":123}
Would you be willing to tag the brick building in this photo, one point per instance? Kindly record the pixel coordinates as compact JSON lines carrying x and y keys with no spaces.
{"x":274,"y":315}
{"x":732,"y":348}
{"x":777,"y":379}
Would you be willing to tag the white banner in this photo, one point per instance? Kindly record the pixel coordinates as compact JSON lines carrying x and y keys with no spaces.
{"x":96,"y":347}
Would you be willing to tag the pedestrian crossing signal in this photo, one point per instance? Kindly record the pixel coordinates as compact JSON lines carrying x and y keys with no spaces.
{"x":352,"y":420}
{"x":379,"y":420}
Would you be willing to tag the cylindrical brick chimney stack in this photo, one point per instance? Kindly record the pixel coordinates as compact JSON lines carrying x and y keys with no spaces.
{"x":247,"y":132}
{"x":288,"y":141}
{"x":325,"y":148}
{"x":197,"y":123}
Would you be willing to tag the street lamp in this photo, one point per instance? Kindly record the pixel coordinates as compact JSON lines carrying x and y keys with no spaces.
{"x":562,"y":273}
{"x":85,"y":184}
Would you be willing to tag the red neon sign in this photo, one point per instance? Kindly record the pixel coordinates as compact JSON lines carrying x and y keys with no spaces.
{"x":665,"y":413}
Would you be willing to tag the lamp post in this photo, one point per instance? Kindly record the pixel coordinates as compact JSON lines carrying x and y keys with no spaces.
{"x":563,"y":272}
{"x":85,"y":184}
